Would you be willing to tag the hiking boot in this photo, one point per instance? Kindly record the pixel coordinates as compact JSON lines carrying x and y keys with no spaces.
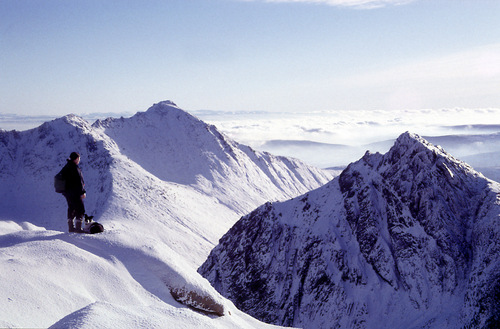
{"x":71,"y":228}
{"x":78,"y":226}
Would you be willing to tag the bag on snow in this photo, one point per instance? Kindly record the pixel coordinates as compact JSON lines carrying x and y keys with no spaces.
{"x":92,"y":227}
{"x":96,"y":228}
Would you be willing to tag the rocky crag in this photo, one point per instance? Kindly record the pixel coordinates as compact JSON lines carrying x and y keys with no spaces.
{"x":408,"y":239}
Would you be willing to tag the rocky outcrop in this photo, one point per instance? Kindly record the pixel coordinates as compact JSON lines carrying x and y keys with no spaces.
{"x":405,"y":239}
{"x":201,"y":303}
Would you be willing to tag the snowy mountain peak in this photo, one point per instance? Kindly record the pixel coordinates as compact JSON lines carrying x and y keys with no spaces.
{"x":167,"y":115}
{"x":166,"y":103}
{"x":413,"y":156}
{"x":409,"y":138}
{"x":397,"y":240}
{"x":70,"y":119}
{"x":409,"y":144}
{"x":164,"y":106}
{"x":175,"y":146}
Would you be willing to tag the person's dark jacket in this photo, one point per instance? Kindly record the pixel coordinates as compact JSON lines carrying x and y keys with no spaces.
{"x":75,"y":186}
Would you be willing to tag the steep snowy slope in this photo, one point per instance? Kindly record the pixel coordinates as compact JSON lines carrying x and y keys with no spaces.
{"x":177,"y":147}
{"x":409,"y":239}
{"x":166,"y":187}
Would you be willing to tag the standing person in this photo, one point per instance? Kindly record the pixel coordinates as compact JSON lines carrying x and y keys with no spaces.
{"x":74,"y":192}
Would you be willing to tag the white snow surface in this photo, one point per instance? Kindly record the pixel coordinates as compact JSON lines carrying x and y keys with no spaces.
{"x":165,"y":185}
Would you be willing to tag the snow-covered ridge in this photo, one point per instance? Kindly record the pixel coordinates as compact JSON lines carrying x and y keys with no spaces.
{"x":166,"y":142}
{"x":194,"y":153}
{"x":165,"y":185}
{"x":406,"y":239}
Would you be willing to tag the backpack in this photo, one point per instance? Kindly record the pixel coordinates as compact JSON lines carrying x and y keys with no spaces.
{"x":60,"y":183}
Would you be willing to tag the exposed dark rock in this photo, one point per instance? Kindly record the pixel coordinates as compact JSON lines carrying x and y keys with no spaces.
{"x":406,"y":239}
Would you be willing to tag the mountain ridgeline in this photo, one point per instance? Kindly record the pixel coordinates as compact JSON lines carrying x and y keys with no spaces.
{"x":165,"y":141}
{"x":162,"y":169}
{"x":408,"y":239}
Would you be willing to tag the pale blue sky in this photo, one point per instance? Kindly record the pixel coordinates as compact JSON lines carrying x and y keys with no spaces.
{"x":81,"y":56}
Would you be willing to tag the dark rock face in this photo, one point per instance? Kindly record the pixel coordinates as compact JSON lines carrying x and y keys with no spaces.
{"x":406,"y":239}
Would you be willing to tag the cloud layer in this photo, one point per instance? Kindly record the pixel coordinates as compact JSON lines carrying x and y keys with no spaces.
{"x":335,"y":138}
{"x":361,"y":4}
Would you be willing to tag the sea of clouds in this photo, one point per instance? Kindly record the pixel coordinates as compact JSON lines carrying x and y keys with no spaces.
{"x":336,"y":138}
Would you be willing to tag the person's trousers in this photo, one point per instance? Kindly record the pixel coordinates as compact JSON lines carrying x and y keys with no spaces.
{"x":76,"y":208}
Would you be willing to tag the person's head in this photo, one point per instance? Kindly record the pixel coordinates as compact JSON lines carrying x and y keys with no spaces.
{"x":75,"y":157}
